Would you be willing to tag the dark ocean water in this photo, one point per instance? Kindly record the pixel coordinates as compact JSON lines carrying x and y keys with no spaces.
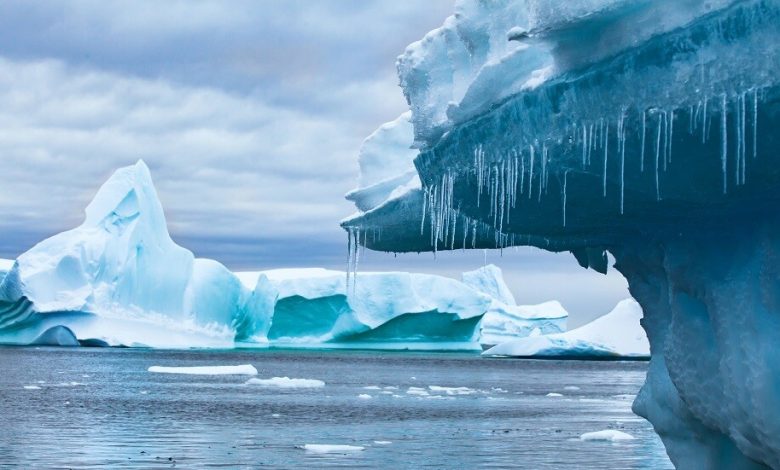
{"x":100,"y":408}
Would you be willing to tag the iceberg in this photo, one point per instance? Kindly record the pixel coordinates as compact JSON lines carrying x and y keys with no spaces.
{"x":639,"y":128}
{"x":505,"y":320}
{"x":315,"y":307}
{"x":119,"y":279}
{"x":617,"y":334}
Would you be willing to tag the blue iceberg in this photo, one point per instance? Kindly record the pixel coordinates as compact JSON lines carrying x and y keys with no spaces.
{"x":639,"y":128}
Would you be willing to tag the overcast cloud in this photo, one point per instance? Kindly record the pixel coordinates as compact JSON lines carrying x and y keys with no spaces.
{"x":249,"y":114}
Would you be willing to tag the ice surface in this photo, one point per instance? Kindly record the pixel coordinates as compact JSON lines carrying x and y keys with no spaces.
{"x":616,"y":334}
{"x":331,"y":448}
{"x":640,"y":128}
{"x":119,"y":279}
{"x":245,"y":369}
{"x":286,"y":382}
{"x":606,"y":435}
{"x":505,"y":320}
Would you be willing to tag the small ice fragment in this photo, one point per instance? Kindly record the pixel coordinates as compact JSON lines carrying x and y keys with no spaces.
{"x":330,"y":448}
{"x":364,"y":396}
{"x":606,"y":435}
{"x":391,"y":388}
{"x":452,"y":390}
{"x":245,"y":369}
{"x":32,"y":387}
{"x":417,"y":391}
{"x":286,"y":382}
{"x":383,"y":443}
{"x":553,"y":394}
{"x":386,"y":392}
{"x":86,"y":376}
{"x":275,"y":415}
{"x":372,"y":387}
{"x":498,"y":390}
{"x":143,"y":392}
{"x":571,"y":387}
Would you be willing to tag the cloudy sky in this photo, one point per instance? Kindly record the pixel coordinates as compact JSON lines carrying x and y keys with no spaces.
{"x":249,"y":114}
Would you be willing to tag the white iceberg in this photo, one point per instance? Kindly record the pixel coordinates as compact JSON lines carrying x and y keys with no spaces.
{"x":505,"y":320}
{"x":616,"y":334}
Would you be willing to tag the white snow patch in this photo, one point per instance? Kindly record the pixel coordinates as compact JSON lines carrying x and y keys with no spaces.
{"x":286,"y":382}
{"x":331,"y":448}
{"x":606,"y":435}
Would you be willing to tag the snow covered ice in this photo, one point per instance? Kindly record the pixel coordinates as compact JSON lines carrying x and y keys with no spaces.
{"x":616,"y":334}
{"x":642,"y":129}
{"x":119,"y":279}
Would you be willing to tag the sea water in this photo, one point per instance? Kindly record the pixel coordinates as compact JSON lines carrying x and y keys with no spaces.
{"x":102,"y":408}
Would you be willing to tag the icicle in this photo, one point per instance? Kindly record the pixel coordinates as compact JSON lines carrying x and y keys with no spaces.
{"x":704,"y":123}
{"x":622,"y":142}
{"x":565,"y":177}
{"x":584,"y":145}
{"x":424,"y":204}
{"x":724,"y":143}
{"x":606,"y":149}
{"x":743,"y":138}
{"x":755,"y":122}
{"x":642,"y":152}
{"x":657,"y":157}
{"x":671,"y":134}
{"x":592,"y":142}
{"x":665,"y":120}
{"x":473,"y":234}
{"x":531,"y":173}
{"x":349,"y":256}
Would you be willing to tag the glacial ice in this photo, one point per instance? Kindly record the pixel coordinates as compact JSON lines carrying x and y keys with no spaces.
{"x":331,"y":448}
{"x":643,"y":129}
{"x":119,"y":279}
{"x":505,"y":320}
{"x":616,"y":334}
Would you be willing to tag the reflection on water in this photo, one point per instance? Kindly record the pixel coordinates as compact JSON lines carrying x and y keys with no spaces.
{"x":82,"y":408}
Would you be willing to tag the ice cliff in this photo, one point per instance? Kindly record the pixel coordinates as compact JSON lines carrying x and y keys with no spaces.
{"x":119,"y":279}
{"x":642,"y":128}
{"x":616,"y":334}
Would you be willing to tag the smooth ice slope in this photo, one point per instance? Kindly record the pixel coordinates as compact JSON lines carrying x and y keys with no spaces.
{"x":616,"y":334}
{"x":505,"y":320}
{"x":642,"y":128}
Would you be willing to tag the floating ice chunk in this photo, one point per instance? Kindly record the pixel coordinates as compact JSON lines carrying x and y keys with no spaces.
{"x":571,"y":387}
{"x":554,"y":394}
{"x":452,"y":390}
{"x":606,"y":435}
{"x":32,"y":387}
{"x":364,"y":396}
{"x":331,"y":448}
{"x":372,"y":387}
{"x":383,"y":443}
{"x":417,"y":391}
{"x":286,"y":382}
{"x":245,"y":369}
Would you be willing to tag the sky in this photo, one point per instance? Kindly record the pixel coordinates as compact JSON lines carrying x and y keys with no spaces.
{"x":249,"y":114}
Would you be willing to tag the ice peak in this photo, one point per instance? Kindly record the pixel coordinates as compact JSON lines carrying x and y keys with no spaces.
{"x":129,"y":194}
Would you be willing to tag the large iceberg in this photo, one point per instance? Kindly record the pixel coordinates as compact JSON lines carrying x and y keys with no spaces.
{"x":614,"y":335}
{"x":504,"y":319}
{"x":641,"y":128}
{"x":119,"y":279}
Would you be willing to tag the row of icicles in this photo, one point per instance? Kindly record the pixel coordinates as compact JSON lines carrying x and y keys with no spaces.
{"x":524,"y":172}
